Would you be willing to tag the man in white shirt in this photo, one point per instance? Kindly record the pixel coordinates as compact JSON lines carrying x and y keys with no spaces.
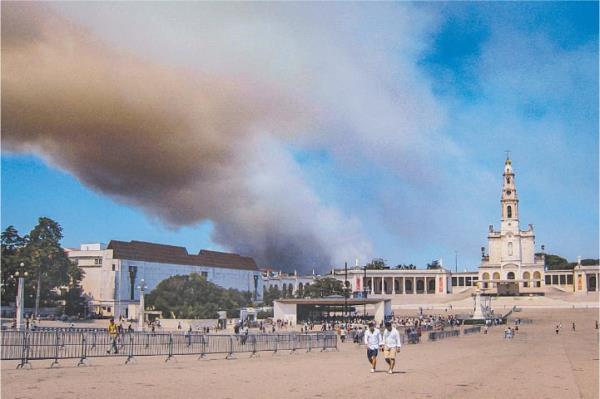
{"x":391,"y":344}
{"x":373,"y":341}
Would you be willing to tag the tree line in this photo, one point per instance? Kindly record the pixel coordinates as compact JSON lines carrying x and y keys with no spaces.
{"x":51,"y":275}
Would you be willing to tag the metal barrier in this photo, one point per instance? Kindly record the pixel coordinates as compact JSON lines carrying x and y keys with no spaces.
{"x":437,"y":335}
{"x":472,"y":330}
{"x":56,"y":345}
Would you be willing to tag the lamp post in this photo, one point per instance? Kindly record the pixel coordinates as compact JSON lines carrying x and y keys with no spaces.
{"x":141,"y":287}
{"x":365,"y":293}
{"x":20,"y":275}
{"x":345,"y":292}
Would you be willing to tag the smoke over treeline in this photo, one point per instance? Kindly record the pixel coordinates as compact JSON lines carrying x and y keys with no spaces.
{"x":183,"y":145}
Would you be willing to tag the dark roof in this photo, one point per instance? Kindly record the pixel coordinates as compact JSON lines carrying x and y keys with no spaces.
{"x":160,"y":253}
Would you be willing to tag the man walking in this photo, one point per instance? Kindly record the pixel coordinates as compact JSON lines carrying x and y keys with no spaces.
{"x":391,"y":344}
{"x":113,"y":334}
{"x":373,"y":341}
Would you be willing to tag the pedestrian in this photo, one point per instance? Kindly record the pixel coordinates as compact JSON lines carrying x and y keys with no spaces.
{"x":179,"y":326}
{"x":391,"y":344}
{"x":596,"y":324}
{"x":557,"y":328}
{"x":373,"y":341}
{"x":113,"y":334}
{"x":343,"y":334}
{"x":573,"y":326}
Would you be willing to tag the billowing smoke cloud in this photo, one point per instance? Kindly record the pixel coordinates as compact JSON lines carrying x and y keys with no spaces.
{"x":185,"y":146}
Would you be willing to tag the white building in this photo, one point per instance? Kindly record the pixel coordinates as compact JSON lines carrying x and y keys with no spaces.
{"x":511,"y":250}
{"x":511,"y":262}
{"x":113,"y":273}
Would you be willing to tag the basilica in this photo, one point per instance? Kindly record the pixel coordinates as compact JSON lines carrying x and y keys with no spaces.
{"x":512,"y":262}
{"x":511,"y":266}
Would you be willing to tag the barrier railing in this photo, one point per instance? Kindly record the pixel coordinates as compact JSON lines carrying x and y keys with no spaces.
{"x":472,"y":330}
{"x":437,"y":335}
{"x":57,"y":345}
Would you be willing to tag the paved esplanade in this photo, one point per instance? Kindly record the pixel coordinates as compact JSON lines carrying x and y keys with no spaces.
{"x":535,"y":364}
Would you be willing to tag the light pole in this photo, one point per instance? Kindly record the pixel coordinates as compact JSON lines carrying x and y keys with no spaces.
{"x":141,"y":287}
{"x":365,"y":293}
{"x":345,"y":292}
{"x":20,"y":295}
{"x":456,"y":261}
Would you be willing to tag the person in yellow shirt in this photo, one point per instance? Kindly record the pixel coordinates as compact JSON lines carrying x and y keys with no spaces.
{"x":113,"y":334}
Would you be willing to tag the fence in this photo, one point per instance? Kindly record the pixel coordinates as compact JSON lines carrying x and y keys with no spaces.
{"x":57,"y":345}
{"x":472,"y":330}
{"x":437,"y":335}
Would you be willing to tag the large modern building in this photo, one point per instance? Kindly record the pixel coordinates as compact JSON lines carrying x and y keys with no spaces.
{"x":113,"y":273}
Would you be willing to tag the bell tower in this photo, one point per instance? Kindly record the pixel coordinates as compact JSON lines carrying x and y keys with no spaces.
{"x":510,"y":200}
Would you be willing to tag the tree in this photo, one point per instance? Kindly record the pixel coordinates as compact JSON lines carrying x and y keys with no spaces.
{"x":74,"y":301}
{"x":377,"y":264}
{"x":12,"y":245}
{"x":50,"y":271}
{"x":323,"y":287}
{"x":192,"y":297}
{"x":590,"y":262}
{"x":555,"y":262}
{"x":435,"y":264}
{"x":271,"y":295}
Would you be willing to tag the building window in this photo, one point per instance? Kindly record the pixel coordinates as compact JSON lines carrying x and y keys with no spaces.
{"x":555,"y":279}
{"x":548,"y":279}
{"x":454,"y":281}
{"x":97,"y":261}
{"x":510,"y":247}
{"x":204,"y":274}
{"x":563,"y":279}
{"x":113,"y":267}
{"x":569,"y":279}
{"x":508,"y":180}
{"x":509,"y":211}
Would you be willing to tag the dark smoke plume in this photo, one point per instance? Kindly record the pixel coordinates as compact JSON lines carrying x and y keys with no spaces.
{"x":183,"y":146}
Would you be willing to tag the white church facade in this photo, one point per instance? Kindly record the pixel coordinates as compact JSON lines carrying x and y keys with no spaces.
{"x":512,"y":255}
{"x":509,"y":267}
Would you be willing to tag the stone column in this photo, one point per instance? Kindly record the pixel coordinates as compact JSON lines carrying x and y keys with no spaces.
{"x":393,"y":285}
{"x":382,"y":286}
{"x":414,"y":290}
{"x":372,"y":285}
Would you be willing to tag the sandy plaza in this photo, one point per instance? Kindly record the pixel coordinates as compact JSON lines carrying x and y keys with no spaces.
{"x":537,"y":363}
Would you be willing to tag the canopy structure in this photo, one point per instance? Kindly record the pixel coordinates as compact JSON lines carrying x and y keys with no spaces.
{"x":317,"y":309}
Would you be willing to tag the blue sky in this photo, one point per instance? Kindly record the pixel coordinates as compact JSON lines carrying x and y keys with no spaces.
{"x":394,"y":148}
